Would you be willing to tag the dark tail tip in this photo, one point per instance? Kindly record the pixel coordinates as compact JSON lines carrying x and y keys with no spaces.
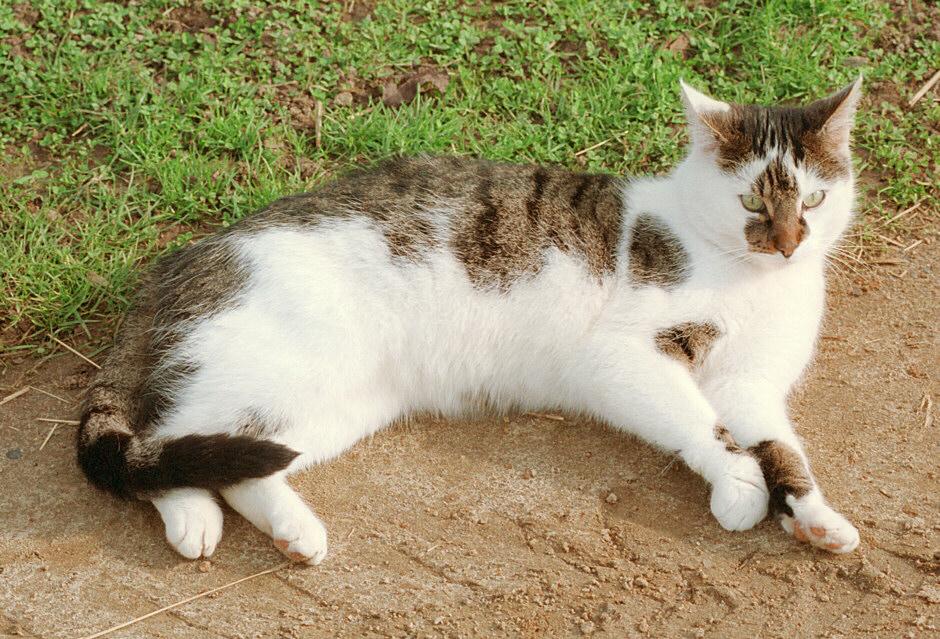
{"x":104,"y":462}
{"x":112,"y":463}
{"x":212,"y":461}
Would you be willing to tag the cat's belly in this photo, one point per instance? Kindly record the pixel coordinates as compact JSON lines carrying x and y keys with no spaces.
{"x":323,"y":348}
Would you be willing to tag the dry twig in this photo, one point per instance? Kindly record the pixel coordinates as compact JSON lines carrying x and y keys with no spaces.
{"x":924,"y":89}
{"x":318,"y":123}
{"x":69,"y":348}
{"x":593,"y":146}
{"x":890,"y":240}
{"x":52,"y":395}
{"x":892,"y":220}
{"x":557,"y":418}
{"x":926,"y":404}
{"x":48,"y":437}
{"x":184,"y":601}
{"x":50,"y":420}
{"x":12,"y":396}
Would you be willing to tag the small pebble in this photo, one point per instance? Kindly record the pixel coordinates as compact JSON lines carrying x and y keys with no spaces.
{"x":528,"y":473}
{"x":587,"y":627}
{"x":612,"y":498}
{"x":640,"y":582}
{"x":205,"y":566}
{"x":14,"y":453}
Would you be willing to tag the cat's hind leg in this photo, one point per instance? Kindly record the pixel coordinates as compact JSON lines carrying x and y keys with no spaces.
{"x":278,"y":511}
{"x":193,"y":520}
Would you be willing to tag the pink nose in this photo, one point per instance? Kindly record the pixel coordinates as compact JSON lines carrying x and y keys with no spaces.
{"x":786,"y":241}
{"x":786,"y":249}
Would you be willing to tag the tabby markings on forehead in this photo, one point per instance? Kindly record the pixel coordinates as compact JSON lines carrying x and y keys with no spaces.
{"x":748,"y":132}
{"x":657,"y":256}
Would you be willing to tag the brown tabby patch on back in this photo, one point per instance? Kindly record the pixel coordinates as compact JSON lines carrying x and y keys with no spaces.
{"x":396,"y":195}
{"x":501,"y":217}
{"x":784,"y":473}
{"x":688,"y":342}
{"x":748,"y":132}
{"x":657,"y":256}
{"x":514,"y":214}
{"x":197,"y":281}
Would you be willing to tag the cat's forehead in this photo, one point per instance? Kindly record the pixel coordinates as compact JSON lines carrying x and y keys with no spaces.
{"x":782,"y":137}
{"x":779,"y":173}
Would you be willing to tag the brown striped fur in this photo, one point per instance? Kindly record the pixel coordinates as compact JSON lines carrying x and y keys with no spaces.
{"x":515,"y":213}
{"x":784,"y":472}
{"x":656,"y":254}
{"x":749,"y":132}
{"x":688,"y":342}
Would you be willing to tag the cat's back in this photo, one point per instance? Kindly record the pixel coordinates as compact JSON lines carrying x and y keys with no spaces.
{"x":498,"y":220}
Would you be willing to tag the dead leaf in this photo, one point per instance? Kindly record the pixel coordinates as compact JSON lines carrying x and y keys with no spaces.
{"x":97,"y":279}
{"x":392,"y":96}
{"x":679,"y":44}
{"x":395,"y":94}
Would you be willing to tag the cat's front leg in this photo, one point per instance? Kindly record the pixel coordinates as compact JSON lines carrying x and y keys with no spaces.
{"x":755,"y":414}
{"x":638,"y":390}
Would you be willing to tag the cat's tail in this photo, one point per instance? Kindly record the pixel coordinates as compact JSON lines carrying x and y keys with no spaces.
{"x":128,"y":466}
{"x":117,"y":452}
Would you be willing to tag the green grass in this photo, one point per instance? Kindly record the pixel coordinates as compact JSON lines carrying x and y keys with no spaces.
{"x":127,"y":130}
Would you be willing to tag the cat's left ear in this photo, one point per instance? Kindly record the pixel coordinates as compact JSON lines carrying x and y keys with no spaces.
{"x":703,"y":114}
{"x":834,"y":116}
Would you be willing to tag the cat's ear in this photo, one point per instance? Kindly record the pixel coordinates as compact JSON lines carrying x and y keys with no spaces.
{"x":834,"y":116}
{"x":703,"y":114}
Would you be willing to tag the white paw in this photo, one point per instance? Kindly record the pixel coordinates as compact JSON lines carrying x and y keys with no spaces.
{"x":300,"y":535}
{"x":739,"y":497}
{"x":193,"y":521}
{"x":814,"y":522}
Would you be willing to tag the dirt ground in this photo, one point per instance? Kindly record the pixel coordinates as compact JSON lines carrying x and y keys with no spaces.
{"x":506,"y":527}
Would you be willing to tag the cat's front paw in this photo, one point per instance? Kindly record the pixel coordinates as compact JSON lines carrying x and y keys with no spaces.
{"x":193,"y":521}
{"x":814,"y":522}
{"x":300,"y":535}
{"x":739,"y":497}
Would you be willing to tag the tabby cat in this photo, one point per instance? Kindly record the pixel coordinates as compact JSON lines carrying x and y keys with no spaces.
{"x":681,"y":309}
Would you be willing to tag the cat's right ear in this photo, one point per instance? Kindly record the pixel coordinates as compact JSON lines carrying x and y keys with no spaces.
{"x":703,"y":115}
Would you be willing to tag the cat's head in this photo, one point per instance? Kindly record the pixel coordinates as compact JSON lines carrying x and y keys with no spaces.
{"x":776,"y":181}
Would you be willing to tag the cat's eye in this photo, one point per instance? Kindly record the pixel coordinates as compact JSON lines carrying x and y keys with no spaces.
{"x":751,"y":202}
{"x":814,"y":199}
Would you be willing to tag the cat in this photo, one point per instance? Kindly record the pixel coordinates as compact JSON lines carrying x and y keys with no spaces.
{"x":681,"y":309}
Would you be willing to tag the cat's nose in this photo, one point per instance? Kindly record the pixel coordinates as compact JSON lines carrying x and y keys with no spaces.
{"x":786,"y":249}
{"x":786,"y":241}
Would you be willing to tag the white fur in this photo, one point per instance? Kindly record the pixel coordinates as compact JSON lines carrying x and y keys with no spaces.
{"x":334,"y":339}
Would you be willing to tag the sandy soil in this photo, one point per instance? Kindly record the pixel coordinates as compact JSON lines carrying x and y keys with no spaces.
{"x":506,"y":527}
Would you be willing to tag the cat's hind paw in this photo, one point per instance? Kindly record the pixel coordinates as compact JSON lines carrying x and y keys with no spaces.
{"x":193,"y":521}
{"x":815,"y":523}
{"x":300,"y":535}
{"x":739,"y":497}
